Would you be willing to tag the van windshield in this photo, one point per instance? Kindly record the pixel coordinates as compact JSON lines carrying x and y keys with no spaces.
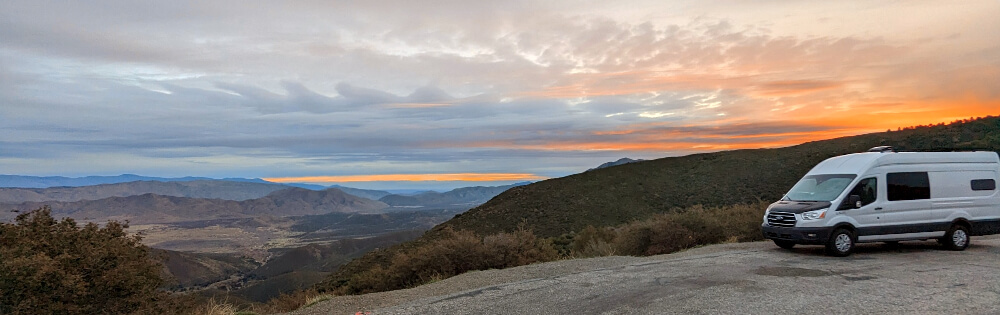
{"x":819,"y":187}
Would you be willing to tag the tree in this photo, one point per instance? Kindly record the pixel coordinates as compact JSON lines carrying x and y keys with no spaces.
{"x":49,"y":266}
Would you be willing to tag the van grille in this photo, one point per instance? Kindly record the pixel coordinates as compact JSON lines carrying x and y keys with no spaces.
{"x":783,"y":219}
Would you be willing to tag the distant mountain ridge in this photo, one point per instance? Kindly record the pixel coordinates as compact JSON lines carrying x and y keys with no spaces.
{"x":620,"y":161}
{"x":20,"y":188}
{"x":21,"y":181}
{"x":457,"y":198}
{"x":153,"y":208}
{"x":210,"y":189}
{"x":364,"y":193}
{"x":164,"y":201}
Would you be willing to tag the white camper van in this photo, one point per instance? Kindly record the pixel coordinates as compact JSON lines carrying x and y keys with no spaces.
{"x":886,"y":196}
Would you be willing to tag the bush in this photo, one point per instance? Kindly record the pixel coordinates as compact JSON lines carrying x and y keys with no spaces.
{"x":450,"y":254}
{"x":672,"y":231}
{"x":49,"y":266}
{"x":517,"y":248}
{"x":592,"y":241}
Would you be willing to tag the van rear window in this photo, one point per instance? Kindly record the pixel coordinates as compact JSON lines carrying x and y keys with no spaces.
{"x":908,"y":186}
{"x":984,"y":184}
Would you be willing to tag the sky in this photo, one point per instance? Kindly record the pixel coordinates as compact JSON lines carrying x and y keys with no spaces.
{"x":438,"y":94}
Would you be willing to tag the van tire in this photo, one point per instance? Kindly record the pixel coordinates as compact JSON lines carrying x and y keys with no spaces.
{"x":784,"y":244}
{"x":841,"y":243}
{"x":957,"y":238}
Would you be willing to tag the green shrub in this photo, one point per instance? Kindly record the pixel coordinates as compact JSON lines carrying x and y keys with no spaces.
{"x":592,"y":241}
{"x":659,"y":235}
{"x":667,"y":236}
{"x":672,"y":231}
{"x":50,"y":266}
{"x":517,"y":248}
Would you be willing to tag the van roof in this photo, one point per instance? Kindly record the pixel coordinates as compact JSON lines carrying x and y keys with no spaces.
{"x":860,"y":162}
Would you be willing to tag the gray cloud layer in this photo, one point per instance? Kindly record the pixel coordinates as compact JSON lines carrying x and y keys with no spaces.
{"x":230,"y":88}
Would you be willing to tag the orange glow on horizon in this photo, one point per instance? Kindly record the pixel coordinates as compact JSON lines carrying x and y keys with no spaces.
{"x":447,"y":177}
{"x":646,"y":137}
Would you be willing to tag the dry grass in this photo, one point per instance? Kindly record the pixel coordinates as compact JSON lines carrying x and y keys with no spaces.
{"x":215,"y":307}
{"x":316,"y":299}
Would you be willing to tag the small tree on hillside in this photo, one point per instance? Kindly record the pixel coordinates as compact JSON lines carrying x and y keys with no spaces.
{"x":49,"y":266}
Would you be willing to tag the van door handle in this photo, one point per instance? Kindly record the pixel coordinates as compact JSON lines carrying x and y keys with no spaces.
{"x":878,"y":208}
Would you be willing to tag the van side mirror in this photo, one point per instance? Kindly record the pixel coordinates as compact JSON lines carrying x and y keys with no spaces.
{"x":854,"y":200}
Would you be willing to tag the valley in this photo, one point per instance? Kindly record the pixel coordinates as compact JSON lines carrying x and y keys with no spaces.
{"x":243,"y":239}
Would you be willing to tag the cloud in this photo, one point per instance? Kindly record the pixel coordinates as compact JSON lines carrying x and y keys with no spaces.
{"x":794,"y":87}
{"x":547,"y":88}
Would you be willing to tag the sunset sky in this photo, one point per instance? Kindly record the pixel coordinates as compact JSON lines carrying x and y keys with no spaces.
{"x":440,"y":94}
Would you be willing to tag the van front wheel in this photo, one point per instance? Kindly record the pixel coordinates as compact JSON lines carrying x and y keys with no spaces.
{"x":841,"y":243}
{"x":957,"y":238}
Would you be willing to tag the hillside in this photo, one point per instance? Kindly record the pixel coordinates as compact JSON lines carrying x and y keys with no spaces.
{"x":184,"y":270}
{"x":618,"y":194}
{"x":304,"y":266}
{"x":209,"y":189}
{"x":465,"y":197}
{"x":152,"y":208}
{"x":562,"y":208}
{"x":289,"y":269}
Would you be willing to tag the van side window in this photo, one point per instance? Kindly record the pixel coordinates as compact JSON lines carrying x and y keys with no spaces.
{"x":908,"y":186}
{"x":984,"y":184}
{"x":866,"y":188}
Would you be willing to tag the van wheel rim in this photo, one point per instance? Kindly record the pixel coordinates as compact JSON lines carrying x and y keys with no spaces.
{"x":959,"y":238}
{"x":843,"y":242}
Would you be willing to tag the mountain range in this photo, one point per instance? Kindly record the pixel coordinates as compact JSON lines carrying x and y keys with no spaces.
{"x":61,"y":196}
{"x":153,"y":208}
{"x":201,"y":188}
{"x":21,"y":181}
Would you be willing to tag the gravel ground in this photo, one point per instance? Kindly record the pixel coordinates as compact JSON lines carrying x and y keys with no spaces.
{"x":746,"y":278}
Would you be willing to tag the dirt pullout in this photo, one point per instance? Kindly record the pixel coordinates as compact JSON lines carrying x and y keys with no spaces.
{"x":914,"y":277}
{"x":486,"y":278}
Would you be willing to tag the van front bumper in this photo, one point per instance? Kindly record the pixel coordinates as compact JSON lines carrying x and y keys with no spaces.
{"x":798,"y":235}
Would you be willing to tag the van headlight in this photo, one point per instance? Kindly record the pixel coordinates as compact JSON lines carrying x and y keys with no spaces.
{"x":813,"y":215}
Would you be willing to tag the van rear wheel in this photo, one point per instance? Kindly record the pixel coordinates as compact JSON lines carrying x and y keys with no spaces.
{"x":957,"y":238}
{"x":841,"y":243}
{"x":784,"y":244}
